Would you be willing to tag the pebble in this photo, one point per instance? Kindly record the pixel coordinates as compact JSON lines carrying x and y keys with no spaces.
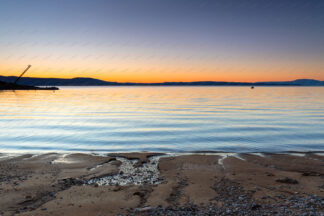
{"x":131,"y":174}
{"x":235,"y":205}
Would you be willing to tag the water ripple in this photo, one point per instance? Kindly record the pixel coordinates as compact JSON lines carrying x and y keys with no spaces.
{"x":163,"y":119}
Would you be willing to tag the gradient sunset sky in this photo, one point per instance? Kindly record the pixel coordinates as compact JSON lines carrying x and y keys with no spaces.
{"x":163,"y":40}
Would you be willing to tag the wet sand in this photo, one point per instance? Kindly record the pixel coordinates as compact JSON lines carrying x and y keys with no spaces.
{"x":158,"y":184}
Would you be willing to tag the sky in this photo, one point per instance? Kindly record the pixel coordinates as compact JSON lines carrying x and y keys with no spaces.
{"x":163,"y":40}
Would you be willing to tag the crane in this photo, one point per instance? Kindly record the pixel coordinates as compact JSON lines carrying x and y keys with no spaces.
{"x":29,"y":66}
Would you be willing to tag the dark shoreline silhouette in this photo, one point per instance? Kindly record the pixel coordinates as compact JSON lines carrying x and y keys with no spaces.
{"x":29,"y":81}
{"x":12,"y":86}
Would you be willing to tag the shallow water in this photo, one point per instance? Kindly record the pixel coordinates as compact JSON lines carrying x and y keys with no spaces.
{"x":162,"y":119}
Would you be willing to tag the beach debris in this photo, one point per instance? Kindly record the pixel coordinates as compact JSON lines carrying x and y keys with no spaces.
{"x":287,"y":180}
{"x":131,"y":174}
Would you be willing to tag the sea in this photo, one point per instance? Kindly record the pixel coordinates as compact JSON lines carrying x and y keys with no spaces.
{"x":162,"y":119}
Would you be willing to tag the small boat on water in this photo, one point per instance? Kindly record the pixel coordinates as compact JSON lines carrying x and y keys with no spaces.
{"x":15,"y":86}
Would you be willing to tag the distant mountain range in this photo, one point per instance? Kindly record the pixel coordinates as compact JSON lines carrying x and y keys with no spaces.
{"x":96,"y":82}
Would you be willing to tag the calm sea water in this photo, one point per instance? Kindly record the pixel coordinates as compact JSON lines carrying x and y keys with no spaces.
{"x":167,"y":119}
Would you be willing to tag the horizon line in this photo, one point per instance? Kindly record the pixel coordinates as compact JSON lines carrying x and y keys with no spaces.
{"x":166,"y":81}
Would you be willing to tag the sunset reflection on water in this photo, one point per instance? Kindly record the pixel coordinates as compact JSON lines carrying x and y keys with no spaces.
{"x":105,"y":119}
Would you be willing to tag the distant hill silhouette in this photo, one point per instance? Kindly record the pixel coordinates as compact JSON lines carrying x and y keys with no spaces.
{"x":96,"y":82}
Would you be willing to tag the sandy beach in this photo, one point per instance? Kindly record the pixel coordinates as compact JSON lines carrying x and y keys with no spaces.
{"x":162,"y":184}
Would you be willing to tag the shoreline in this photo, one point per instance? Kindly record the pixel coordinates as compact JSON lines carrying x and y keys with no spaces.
{"x":8,"y":86}
{"x":105,"y":153}
{"x":148,"y":183}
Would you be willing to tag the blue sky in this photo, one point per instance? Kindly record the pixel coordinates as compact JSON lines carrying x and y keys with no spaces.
{"x":124,"y":39}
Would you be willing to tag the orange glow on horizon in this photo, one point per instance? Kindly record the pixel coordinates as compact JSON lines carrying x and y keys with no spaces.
{"x":158,"y":72}
{"x":169,"y":77}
